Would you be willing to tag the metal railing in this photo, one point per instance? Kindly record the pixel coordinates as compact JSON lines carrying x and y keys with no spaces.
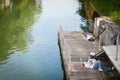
{"x":66,"y":52}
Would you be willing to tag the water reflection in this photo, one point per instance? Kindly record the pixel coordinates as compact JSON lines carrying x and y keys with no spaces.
{"x":5,"y":4}
{"x":16,"y":36}
{"x":16,"y":19}
{"x":81,"y":12}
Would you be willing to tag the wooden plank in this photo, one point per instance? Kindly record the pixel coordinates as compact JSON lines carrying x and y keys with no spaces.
{"x":111,"y":53}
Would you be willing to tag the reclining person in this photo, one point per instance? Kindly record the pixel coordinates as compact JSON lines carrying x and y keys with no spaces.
{"x":89,"y":36}
{"x":92,"y":63}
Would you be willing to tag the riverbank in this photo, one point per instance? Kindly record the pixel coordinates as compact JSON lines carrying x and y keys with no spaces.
{"x":94,"y":8}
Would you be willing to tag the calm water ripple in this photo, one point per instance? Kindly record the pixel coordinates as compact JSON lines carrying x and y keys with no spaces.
{"x":28,"y":38}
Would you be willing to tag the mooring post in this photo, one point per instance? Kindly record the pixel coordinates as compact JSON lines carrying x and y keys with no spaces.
{"x":117,"y":45}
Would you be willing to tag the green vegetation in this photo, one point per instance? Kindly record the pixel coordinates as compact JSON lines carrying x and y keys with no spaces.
{"x":15,"y":26}
{"x":89,"y":10}
{"x":109,"y":8}
{"x":81,"y":10}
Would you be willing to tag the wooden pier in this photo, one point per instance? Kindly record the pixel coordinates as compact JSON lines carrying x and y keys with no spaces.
{"x":75,"y":47}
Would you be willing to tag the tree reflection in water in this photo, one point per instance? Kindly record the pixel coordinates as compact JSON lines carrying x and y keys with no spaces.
{"x":16,"y":19}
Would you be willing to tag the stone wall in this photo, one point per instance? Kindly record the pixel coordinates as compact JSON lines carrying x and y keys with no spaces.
{"x":106,"y":31}
{"x":102,"y":27}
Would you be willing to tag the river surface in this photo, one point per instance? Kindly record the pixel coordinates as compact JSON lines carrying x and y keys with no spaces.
{"x":29,"y":37}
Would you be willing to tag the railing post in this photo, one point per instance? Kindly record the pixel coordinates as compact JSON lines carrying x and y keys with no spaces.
{"x":100,"y":38}
{"x":107,"y":34}
{"x":117,"y":45}
{"x":69,"y":62}
{"x":95,"y":27}
{"x":60,"y":31}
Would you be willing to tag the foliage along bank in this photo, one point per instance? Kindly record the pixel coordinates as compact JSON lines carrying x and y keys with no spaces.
{"x":96,"y":8}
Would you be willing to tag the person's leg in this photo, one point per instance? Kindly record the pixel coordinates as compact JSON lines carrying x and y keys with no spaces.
{"x":106,"y":68}
{"x":101,"y":67}
{"x":97,"y":65}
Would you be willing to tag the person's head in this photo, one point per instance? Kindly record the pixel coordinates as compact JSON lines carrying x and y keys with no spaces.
{"x":92,"y":55}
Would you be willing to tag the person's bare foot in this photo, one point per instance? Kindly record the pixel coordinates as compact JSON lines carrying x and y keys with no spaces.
{"x":100,"y":69}
{"x":83,"y":65}
{"x":113,"y":68}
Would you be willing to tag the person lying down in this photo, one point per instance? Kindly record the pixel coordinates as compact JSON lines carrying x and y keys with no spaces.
{"x":93,"y":63}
